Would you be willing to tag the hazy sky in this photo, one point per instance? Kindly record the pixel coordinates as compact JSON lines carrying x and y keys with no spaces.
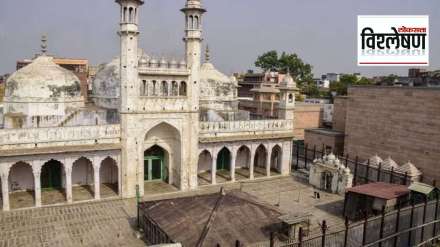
{"x":322,"y":32}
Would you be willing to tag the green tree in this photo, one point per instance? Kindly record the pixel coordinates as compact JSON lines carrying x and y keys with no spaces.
{"x":341,"y":86}
{"x":302,"y":72}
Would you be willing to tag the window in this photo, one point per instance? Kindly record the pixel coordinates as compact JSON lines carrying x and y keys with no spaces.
{"x":164,"y":88}
{"x":144,"y":90}
{"x":182,"y":89}
{"x":174,"y":89}
{"x":153,"y":92}
{"x":290,"y":98}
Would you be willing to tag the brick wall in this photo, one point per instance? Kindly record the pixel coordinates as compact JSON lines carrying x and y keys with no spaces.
{"x":307,"y":116}
{"x":325,"y":138}
{"x":403,"y":123}
{"x":339,"y":113}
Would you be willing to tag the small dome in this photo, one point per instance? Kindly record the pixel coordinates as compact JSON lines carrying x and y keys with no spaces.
{"x":42,"y":79}
{"x":347,"y":170}
{"x":154,"y":63}
{"x":331,"y":157}
{"x":163,"y":63}
{"x":389,"y":163}
{"x":288,"y":81}
{"x":375,"y":160}
{"x":182,"y":64}
{"x":410,"y":169}
{"x":143,"y":62}
{"x":173,"y":64}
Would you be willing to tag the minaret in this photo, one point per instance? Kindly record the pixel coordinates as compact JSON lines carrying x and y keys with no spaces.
{"x":43,"y":45}
{"x":193,"y":45}
{"x":129,"y":33}
{"x":286,"y":106}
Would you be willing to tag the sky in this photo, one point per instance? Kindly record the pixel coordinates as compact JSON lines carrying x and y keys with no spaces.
{"x":321,"y":32}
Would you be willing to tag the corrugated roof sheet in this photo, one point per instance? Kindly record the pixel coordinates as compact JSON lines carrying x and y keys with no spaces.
{"x":381,"y":190}
{"x":421,"y":188}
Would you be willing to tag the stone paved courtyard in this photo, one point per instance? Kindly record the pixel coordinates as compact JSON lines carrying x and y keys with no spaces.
{"x":109,"y":223}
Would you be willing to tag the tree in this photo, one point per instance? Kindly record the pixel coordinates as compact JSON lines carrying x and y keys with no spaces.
{"x":284,"y":63}
{"x":341,"y":86}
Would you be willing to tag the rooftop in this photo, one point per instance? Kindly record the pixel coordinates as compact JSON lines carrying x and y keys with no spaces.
{"x":381,"y":190}
{"x":214,"y":218}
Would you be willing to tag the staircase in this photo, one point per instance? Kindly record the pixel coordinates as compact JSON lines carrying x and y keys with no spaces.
{"x":69,"y":117}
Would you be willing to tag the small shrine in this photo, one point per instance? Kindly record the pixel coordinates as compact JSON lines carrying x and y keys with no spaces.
{"x":329,"y":174}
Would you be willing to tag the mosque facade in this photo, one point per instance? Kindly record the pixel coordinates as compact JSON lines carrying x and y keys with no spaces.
{"x":150,"y":120}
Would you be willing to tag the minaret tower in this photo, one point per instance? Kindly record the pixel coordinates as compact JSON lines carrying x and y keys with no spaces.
{"x":193,"y":44}
{"x":129,"y":33}
{"x":287,"y":89}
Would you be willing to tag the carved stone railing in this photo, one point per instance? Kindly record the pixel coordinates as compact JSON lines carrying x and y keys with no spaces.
{"x":246,"y":126}
{"x":56,"y":136}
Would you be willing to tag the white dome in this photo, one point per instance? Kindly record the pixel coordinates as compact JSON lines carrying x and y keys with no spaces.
{"x":375,"y":160}
{"x":288,"y":81}
{"x":43,"y":80}
{"x":106,"y":85}
{"x":209,"y":72}
{"x":389,"y":163}
{"x":410,"y":169}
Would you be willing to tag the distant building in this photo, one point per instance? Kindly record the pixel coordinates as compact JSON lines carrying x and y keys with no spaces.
{"x":331,"y":77}
{"x":396,"y":122}
{"x":252,"y":80}
{"x":80,"y":67}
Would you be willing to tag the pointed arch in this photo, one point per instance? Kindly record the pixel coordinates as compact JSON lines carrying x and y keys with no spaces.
{"x":260,"y":156}
{"x":167,"y":138}
{"x":276,"y":158}
{"x":21,"y":185}
{"x":52,"y":182}
{"x":82,"y":179}
{"x":190,"y":22}
{"x":196,"y":22}
{"x":109,"y":177}
{"x":243,"y":157}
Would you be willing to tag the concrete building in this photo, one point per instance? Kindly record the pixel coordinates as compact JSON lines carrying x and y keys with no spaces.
{"x":151,"y":121}
{"x":396,"y":122}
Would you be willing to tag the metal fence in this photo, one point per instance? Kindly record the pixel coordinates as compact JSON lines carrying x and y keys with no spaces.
{"x":416,"y":225}
{"x":363,"y":172}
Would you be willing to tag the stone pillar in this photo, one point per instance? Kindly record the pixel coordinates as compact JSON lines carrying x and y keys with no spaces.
{"x":214,"y":170}
{"x":97,"y":181}
{"x":268,"y":160}
{"x":251,"y":165}
{"x":5,"y":191}
{"x":233,"y":158}
{"x":37,"y":186}
{"x":69,"y":194}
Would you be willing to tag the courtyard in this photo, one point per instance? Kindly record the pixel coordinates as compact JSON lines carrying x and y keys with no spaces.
{"x":111,"y":222}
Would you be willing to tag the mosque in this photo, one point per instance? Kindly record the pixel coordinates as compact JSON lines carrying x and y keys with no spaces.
{"x":151,"y":120}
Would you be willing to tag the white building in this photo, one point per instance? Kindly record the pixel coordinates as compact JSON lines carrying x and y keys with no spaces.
{"x":144,"y":124}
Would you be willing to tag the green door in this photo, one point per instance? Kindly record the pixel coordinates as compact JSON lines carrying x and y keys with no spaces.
{"x":51,"y":175}
{"x":154,"y":168}
{"x":223,"y":160}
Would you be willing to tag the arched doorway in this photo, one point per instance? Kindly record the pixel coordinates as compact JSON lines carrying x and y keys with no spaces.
{"x":260,"y":161}
{"x":162,"y":159}
{"x":155,"y":164}
{"x":52,"y":183}
{"x":82,"y":179}
{"x":223,"y":165}
{"x":204,"y":166}
{"x":276,"y":159}
{"x":224,"y":160}
{"x":21,"y":186}
{"x":109,"y":177}
{"x":242,"y":163}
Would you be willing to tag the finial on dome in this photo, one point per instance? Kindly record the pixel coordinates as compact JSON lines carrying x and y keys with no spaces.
{"x":207,"y":54}
{"x":43,"y":44}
